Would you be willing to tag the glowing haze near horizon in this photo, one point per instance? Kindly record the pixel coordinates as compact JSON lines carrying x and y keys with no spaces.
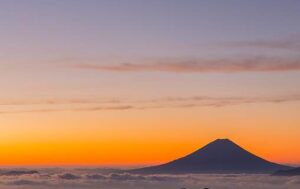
{"x":143,"y":82}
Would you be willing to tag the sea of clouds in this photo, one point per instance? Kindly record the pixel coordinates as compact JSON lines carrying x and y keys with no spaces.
{"x":88,"y":178}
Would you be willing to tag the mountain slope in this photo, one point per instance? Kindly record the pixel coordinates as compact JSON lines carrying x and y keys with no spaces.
{"x":290,"y":172}
{"x":219,"y":156}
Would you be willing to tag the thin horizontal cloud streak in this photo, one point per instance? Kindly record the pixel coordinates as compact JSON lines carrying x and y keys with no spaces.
{"x":158,"y":103}
{"x":56,"y":101}
{"x":93,"y":108}
{"x":291,"y":43}
{"x":199,"y":65}
{"x":237,"y":100}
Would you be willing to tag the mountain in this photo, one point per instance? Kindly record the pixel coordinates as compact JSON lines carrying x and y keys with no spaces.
{"x":290,"y":172}
{"x":219,"y":156}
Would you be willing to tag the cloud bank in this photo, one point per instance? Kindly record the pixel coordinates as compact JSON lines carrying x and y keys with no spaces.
{"x":91,"y":179}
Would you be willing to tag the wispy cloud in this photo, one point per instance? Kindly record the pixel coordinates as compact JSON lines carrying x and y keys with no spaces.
{"x":200,"y":65}
{"x":225,"y":101}
{"x":132,"y":104}
{"x":291,"y":43}
{"x":56,"y":101}
{"x":72,"y":109}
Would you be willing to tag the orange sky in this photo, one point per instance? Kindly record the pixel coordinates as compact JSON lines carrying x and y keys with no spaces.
{"x":145,"y":82}
{"x":135,"y":137}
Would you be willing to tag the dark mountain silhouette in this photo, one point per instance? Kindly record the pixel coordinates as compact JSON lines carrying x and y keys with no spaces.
{"x":219,"y":156}
{"x":290,"y":172}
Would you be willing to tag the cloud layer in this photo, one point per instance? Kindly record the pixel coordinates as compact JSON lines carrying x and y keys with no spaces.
{"x":96,"y":178}
{"x":86,"y":104}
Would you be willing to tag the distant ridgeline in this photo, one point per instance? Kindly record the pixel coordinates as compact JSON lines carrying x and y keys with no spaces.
{"x":290,"y":172}
{"x":219,"y":156}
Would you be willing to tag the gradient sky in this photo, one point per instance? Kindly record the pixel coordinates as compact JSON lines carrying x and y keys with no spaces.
{"x":143,"y":82}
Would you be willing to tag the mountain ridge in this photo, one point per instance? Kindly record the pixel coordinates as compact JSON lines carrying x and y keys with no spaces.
{"x":290,"y":172}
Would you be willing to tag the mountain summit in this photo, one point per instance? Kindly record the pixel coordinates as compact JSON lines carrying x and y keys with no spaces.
{"x":219,"y":156}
